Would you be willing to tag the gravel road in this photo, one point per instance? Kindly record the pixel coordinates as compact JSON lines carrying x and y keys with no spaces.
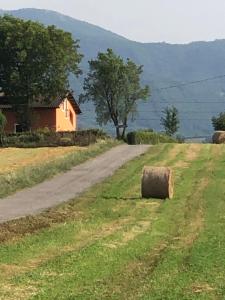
{"x":69,"y":185}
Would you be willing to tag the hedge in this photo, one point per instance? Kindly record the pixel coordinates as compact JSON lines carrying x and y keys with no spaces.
{"x":53,"y":139}
{"x":148,"y":137}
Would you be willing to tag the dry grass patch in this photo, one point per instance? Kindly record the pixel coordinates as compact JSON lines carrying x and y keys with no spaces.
{"x":12,"y":292}
{"x":199,"y":288}
{"x":137,"y":229}
{"x":191,"y":153}
{"x":130,"y":234}
{"x":172,"y":154}
{"x":194,"y":224}
{"x":13,"y":159}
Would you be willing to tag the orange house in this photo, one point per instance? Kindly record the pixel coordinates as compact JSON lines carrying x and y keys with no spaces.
{"x":60,"y":115}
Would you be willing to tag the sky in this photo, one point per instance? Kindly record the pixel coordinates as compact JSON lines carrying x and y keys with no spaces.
{"x":173,"y":21}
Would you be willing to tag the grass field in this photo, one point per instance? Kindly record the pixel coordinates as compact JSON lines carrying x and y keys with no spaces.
{"x":110,"y":244}
{"x":13,"y":159}
{"x":20,"y":168}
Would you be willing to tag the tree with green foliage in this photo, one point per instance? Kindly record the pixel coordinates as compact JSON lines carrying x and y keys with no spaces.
{"x":219,"y":122}
{"x":170,"y":121}
{"x":35,"y":63}
{"x":114,"y":87}
{"x":3,"y":122}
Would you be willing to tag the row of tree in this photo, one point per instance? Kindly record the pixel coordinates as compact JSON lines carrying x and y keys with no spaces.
{"x":35,"y":64}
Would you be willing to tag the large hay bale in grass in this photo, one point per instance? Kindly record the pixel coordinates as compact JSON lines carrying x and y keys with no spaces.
{"x":219,"y":137}
{"x":157,"y":183}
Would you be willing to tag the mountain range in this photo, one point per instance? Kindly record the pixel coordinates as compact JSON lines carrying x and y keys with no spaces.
{"x":171,"y":71}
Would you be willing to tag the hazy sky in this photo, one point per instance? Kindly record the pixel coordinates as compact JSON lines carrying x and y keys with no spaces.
{"x":176,"y":21}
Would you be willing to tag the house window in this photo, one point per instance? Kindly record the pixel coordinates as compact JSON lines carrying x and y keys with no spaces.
{"x":66,"y":109}
{"x":17,"y":128}
{"x":71,"y":117}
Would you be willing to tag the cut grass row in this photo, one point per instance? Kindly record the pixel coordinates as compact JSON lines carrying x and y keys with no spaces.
{"x":46,"y":166}
{"x":110,"y":244}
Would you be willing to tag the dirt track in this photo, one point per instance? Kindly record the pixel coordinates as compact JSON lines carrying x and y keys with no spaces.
{"x":67,"y":186}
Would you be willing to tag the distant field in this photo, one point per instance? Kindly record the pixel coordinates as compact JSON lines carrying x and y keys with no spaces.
{"x":111,"y":244}
{"x":15,"y":158}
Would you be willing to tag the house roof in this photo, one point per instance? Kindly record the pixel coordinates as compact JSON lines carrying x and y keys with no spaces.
{"x":4,"y":103}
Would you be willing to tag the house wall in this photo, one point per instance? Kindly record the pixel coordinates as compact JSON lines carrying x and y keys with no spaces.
{"x":54,"y":118}
{"x":66,"y":121}
{"x":11,"y":120}
{"x":44,"y":117}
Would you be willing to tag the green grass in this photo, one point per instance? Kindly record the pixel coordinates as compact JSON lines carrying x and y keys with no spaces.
{"x":31,"y":174}
{"x":110,"y":244}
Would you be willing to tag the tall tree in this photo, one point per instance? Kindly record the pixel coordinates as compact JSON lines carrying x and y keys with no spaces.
{"x":35,"y":62}
{"x":114,"y":87}
{"x":170,"y":121}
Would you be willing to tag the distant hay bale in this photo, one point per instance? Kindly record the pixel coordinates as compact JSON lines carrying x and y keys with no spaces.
{"x":157,"y":182}
{"x":219,"y":137}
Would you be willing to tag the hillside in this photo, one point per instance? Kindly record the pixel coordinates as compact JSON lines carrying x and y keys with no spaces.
{"x":164,"y":65}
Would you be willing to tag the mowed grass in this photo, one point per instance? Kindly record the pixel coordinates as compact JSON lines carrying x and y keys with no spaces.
{"x":111,"y":244}
{"x":21,"y":168}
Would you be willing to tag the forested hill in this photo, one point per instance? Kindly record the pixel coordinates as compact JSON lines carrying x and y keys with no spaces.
{"x":164,"y":65}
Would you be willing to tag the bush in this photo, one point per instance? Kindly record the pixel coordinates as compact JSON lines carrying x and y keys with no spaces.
{"x":147,"y":130}
{"x":43,"y":130}
{"x":180,"y":138}
{"x":219,"y":122}
{"x":148,"y":137}
{"x":65,"y":141}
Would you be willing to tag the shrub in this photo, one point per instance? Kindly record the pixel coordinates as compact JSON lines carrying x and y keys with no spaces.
{"x":180,"y":138}
{"x":43,"y":130}
{"x":65,"y":141}
{"x":148,"y":137}
{"x":219,"y":122}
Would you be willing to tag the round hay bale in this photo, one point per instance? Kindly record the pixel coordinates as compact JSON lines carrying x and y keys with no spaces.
{"x":157,"y":182}
{"x":219,"y":137}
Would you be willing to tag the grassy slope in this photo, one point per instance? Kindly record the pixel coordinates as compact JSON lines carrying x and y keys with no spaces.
{"x":21,"y":168}
{"x":110,"y":244}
